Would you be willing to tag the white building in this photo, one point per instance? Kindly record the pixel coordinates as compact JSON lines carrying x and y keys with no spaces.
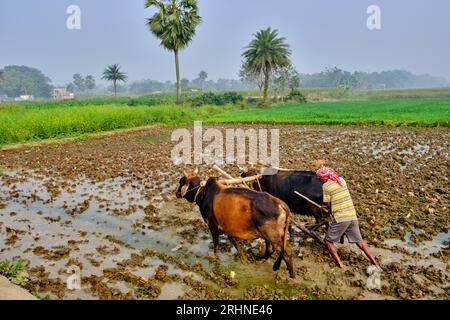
{"x":25,"y":97}
{"x":62,"y":93}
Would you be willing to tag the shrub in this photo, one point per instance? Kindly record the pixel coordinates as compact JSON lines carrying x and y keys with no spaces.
{"x":252,"y":101}
{"x":297,"y":96}
{"x":217,"y":99}
{"x":132,"y":103}
{"x":13,"y":272}
{"x":232,"y":97}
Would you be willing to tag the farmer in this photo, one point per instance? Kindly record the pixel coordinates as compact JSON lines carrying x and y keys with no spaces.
{"x":338,"y":202}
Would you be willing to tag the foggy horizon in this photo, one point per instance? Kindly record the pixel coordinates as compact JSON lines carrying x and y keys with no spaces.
{"x":321,"y":34}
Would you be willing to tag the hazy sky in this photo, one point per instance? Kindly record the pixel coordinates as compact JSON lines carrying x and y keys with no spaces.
{"x":414,"y":35}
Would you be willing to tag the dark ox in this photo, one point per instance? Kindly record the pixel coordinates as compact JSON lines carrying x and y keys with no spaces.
{"x":241,"y":214}
{"x":282,"y":185}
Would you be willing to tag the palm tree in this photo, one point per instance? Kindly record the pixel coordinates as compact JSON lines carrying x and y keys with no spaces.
{"x":174,"y":24}
{"x":203,"y":75}
{"x":266,"y":54}
{"x":113,"y":73}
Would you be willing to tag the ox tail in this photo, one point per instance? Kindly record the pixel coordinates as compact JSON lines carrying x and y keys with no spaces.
{"x":286,"y":209}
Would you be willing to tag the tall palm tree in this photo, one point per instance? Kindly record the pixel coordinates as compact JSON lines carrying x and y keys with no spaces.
{"x":203,"y":75}
{"x":266,"y":54}
{"x":113,"y":73}
{"x":174,"y":24}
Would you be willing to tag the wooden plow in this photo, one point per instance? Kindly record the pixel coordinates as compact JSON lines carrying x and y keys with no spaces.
{"x":242,"y":182}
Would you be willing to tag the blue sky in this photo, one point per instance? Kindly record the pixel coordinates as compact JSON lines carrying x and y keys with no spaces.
{"x":414,"y":36}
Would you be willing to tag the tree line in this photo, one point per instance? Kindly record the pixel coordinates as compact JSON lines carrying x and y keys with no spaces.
{"x":23,"y":80}
{"x":393,"y":79}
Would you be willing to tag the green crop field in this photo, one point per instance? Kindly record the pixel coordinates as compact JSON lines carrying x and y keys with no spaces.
{"x":335,"y":94}
{"x":21,"y":123}
{"x":414,"y":112}
{"x":40,"y":120}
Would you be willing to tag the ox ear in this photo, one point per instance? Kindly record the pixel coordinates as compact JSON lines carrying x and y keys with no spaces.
{"x":196,"y":170}
{"x":184,"y":190}
{"x":185,"y":174}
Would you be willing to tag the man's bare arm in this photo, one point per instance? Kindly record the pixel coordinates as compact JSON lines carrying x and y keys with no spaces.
{"x":327,"y":206}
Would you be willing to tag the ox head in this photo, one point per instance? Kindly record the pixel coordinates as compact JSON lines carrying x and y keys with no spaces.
{"x":189,"y":185}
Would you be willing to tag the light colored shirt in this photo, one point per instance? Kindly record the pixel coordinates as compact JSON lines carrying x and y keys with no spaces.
{"x":341,"y":202}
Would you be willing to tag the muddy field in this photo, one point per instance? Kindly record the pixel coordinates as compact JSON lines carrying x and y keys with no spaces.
{"x":107,"y":205}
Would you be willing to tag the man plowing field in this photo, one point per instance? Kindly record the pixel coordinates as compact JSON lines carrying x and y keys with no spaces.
{"x":291,"y":187}
{"x":338,"y":202}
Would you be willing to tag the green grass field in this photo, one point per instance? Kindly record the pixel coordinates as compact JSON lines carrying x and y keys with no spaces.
{"x":391,"y":94}
{"x":391,"y":112}
{"x":40,"y":120}
{"x":21,"y":124}
{"x":327,"y":94}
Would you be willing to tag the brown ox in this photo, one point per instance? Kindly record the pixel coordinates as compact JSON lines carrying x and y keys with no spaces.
{"x":241,"y":214}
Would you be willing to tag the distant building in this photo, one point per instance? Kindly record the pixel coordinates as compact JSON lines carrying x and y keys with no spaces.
{"x":25,"y":97}
{"x":62,"y":94}
{"x":4,"y":97}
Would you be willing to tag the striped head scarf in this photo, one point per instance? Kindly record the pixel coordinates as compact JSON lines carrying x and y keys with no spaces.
{"x":326,"y":173}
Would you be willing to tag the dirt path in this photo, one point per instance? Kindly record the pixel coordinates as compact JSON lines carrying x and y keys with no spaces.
{"x":106,"y":205}
{"x":9,"y":291}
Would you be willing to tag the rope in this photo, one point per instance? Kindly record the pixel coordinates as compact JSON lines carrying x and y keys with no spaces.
{"x":244,"y":184}
{"x":198,"y":192}
{"x":193,"y":189}
{"x":259,"y":185}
